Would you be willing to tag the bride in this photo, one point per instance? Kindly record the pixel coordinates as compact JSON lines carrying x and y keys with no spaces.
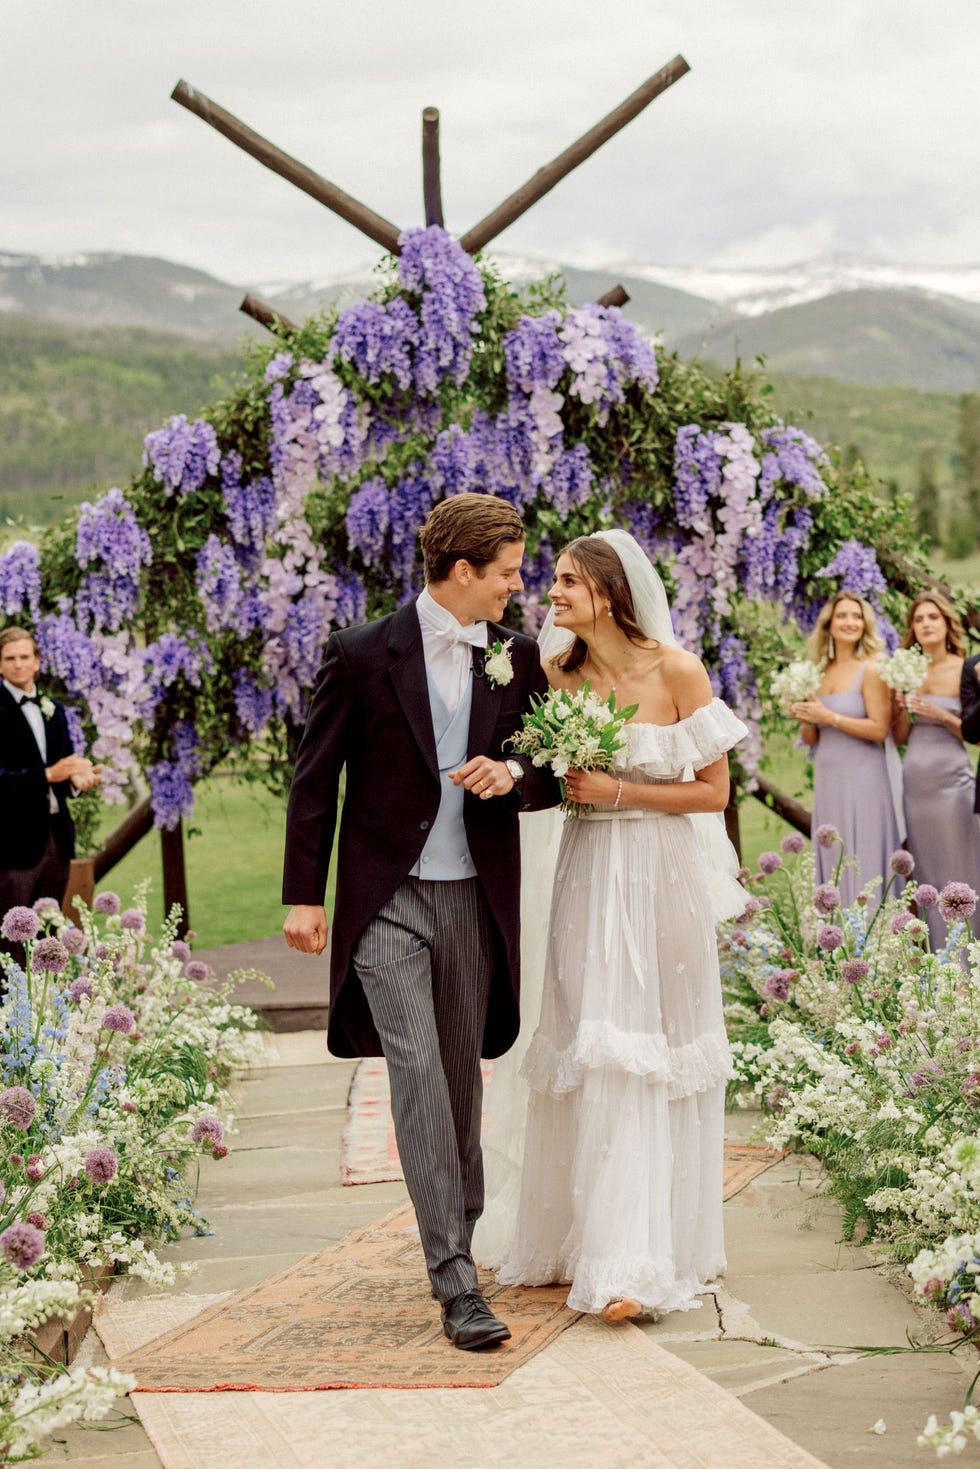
{"x":619,"y":1191}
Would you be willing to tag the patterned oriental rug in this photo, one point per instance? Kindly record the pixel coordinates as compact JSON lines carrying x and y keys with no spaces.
{"x":369,"y":1153}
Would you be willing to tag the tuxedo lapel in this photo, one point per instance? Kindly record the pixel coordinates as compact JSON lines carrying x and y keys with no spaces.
{"x":411,"y":685}
{"x":22,"y":749}
{"x":486,"y":702}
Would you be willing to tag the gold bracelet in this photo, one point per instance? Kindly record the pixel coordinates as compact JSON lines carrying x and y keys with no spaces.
{"x":619,"y":795}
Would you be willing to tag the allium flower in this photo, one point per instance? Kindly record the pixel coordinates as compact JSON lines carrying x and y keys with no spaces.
{"x":133,"y":919}
{"x":854,"y":970}
{"x":752,"y":907}
{"x":826,"y":898}
{"x":107,"y":902}
{"x":46,"y":905}
{"x":79,"y":987}
{"x":826,"y":835}
{"x":73,"y":939}
{"x":180,"y":950}
{"x":49,"y":956}
{"x":119,"y":1017}
{"x":18,"y":1107}
{"x":22,"y":1245}
{"x":197,"y":970}
{"x":901,"y":863}
{"x":957,"y":902}
{"x":778,"y":983}
{"x":38,"y":1220}
{"x":770,"y":862}
{"x":961,"y":1318}
{"x":35,"y":1169}
{"x":793,"y":843}
{"x":830,"y":937}
{"x":20,"y":924}
{"x":101,"y":1164}
{"x":207,"y":1130}
{"x":219,"y":1151}
{"x":925,"y":895}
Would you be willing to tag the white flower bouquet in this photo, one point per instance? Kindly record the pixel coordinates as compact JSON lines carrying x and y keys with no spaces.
{"x":796,"y":682}
{"x":573,"y":731}
{"x":905,"y":670}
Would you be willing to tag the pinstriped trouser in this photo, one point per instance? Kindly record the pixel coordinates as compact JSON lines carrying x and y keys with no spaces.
{"x":425,"y":962}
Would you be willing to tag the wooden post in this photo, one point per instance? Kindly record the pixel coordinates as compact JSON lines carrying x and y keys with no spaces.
{"x":358,"y":214}
{"x":129,"y":831}
{"x":175,"y":874}
{"x":615,"y":296}
{"x":269,"y":316}
{"x":431,"y":169}
{"x":546,"y":178}
{"x":788,"y":807}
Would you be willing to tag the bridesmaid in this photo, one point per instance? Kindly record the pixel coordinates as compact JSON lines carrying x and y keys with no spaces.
{"x":846,"y":725}
{"x":944,"y":830}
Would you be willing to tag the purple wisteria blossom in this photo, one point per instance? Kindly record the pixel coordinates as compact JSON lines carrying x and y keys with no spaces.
{"x":352,"y":599}
{"x":20,"y":924}
{"x":20,"y":580}
{"x":253,"y":703}
{"x":219,"y":585}
{"x":251,"y":510}
{"x":18,"y":1107}
{"x":436,"y":267}
{"x":378,"y":340}
{"x":110,"y":540}
{"x":172,"y":780}
{"x":182,"y":454}
{"x":791,"y":456}
{"x":21,"y":1245}
{"x":369,"y":520}
{"x":855,"y":567}
{"x":697,"y":474}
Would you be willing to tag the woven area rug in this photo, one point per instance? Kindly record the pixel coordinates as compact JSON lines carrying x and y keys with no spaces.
{"x":369,"y":1153}
{"x":355,"y":1315}
{"x":600,"y":1397}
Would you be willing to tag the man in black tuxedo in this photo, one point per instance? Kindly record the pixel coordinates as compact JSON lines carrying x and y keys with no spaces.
{"x":970,"y":704}
{"x":425,"y":954}
{"x":38,"y":771}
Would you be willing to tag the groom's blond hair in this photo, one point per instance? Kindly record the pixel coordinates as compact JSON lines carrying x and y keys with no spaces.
{"x":469,"y":528}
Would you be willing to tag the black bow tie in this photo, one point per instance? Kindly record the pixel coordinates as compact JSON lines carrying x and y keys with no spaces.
{"x":29,"y":699}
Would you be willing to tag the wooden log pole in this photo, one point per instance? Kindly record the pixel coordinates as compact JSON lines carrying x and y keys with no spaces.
{"x":431,"y":167}
{"x":615,"y":296}
{"x":359,"y":215}
{"x":175,"y":875}
{"x":124,"y":838}
{"x":552,"y":173}
{"x":269,"y":316}
{"x":788,"y":807}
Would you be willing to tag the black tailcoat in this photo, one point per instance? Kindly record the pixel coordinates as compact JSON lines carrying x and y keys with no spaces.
{"x":370,"y":717}
{"x":25,"y":818}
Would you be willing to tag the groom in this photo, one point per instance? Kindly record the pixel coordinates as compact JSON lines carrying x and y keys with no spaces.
{"x":424,"y":965}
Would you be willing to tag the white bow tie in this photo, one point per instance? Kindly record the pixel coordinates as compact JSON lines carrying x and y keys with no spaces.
{"x":475,"y":633}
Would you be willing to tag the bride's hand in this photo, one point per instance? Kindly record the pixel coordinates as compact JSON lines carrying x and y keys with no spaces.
{"x":591,"y":787}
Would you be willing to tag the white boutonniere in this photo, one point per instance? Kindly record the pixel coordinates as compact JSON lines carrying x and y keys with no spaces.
{"x":497,"y":665}
{"x":46,"y":706}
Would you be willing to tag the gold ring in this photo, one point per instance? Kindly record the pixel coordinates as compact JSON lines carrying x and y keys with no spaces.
{"x":485,"y":795}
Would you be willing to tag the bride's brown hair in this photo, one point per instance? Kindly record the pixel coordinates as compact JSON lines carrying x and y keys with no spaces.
{"x":603,"y":572}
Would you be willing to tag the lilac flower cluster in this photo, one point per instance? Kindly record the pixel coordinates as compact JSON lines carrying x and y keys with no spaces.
{"x":172,"y":657}
{"x":251,"y":510}
{"x":253,"y":703}
{"x":377,"y":340}
{"x":172,"y":781}
{"x":219,"y":586}
{"x":20,"y":580}
{"x":435,"y":266}
{"x":182,"y":455}
{"x":791,"y":456}
{"x":697,"y":475}
{"x":110,"y":536}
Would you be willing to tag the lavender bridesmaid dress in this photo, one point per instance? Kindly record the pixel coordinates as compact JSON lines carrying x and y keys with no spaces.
{"x":852,"y":791}
{"x":944,"y":830}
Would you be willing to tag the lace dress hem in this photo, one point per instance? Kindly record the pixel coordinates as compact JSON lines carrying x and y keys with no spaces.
{"x":704,"y":1063}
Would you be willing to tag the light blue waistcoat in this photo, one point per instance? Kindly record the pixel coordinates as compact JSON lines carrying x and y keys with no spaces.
{"x":446,"y":854}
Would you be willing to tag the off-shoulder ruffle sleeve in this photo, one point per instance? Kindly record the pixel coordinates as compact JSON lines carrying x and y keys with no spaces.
{"x":699,"y":740}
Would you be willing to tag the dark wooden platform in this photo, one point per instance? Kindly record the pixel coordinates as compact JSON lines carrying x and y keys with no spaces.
{"x":302,"y":985}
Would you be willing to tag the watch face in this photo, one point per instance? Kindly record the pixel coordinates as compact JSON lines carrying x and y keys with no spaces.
{"x":516,"y":769}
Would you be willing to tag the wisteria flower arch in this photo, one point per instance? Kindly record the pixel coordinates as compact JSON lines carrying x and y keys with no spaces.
{"x":186,"y":618}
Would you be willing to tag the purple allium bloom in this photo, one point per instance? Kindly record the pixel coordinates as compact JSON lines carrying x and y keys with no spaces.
{"x":207,"y":1130}
{"x":35,"y":1168}
{"x":119,"y":1017}
{"x":46,"y":905}
{"x":132,"y":919}
{"x":830,"y":937}
{"x":107,"y":902}
{"x":22,"y":1245}
{"x":854,"y":970}
{"x":101,"y":1164}
{"x":197,"y":970}
{"x":826,"y":835}
{"x":778,"y":984}
{"x":770,"y":862}
{"x":826,"y":898}
{"x":49,"y":956}
{"x":957,"y":902}
{"x":180,"y":950}
{"x":899,"y":922}
{"x":73,"y":939}
{"x":752,"y":907}
{"x":79,"y":987}
{"x":20,"y":924}
{"x":901,"y":863}
{"x":925,"y":895}
{"x":18,"y":1107}
{"x":793,"y":843}
{"x":961,"y":1318}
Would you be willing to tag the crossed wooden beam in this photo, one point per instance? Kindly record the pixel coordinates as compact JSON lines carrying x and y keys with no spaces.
{"x":375,"y":226}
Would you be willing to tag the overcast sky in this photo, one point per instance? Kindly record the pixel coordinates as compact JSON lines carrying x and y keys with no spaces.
{"x":804,"y":127}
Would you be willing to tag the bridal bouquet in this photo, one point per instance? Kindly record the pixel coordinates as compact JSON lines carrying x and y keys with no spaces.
{"x":905,"y":670}
{"x":573,"y":731}
{"x":797,"y":682}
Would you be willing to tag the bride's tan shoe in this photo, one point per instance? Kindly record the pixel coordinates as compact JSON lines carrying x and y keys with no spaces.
{"x":620,"y":1310}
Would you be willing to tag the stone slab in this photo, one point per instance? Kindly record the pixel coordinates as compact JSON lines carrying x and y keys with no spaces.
{"x":261,"y":1175}
{"x":828,"y":1309}
{"x":249,"y":1229}
{"x":804,"y":1236}
{"x":298,"y":1089}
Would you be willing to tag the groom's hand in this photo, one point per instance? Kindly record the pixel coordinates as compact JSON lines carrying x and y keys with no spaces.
{"x":483,"y":777}
{"x":306,"y":928}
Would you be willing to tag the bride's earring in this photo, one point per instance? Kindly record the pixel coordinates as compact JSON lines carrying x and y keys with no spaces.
{"x":831,"y":648}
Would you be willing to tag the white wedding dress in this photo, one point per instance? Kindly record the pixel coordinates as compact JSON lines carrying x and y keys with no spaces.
{"x":623,"y":1081}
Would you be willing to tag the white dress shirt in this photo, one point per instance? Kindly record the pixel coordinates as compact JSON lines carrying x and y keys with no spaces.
{"x":448,"y":646}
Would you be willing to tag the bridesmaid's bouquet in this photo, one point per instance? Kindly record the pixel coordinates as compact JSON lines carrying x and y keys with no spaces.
{"x":573,"y":731}
{"x":905,"y":670}
{"x":796,"y":682}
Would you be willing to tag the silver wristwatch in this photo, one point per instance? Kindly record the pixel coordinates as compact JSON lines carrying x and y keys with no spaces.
{"x":516,"y":770}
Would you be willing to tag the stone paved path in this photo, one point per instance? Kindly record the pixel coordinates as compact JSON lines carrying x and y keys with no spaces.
{"x":780,"y":1334}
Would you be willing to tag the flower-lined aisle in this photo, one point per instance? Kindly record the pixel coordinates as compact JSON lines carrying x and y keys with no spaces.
{"x":863,"y":1047}
{"x":116,"y":1060}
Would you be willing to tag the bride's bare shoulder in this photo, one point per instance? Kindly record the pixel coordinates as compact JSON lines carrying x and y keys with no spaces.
{"x":685,"y":675}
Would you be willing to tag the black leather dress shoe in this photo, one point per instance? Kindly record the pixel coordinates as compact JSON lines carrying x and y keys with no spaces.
{"x":470,"y":1324}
